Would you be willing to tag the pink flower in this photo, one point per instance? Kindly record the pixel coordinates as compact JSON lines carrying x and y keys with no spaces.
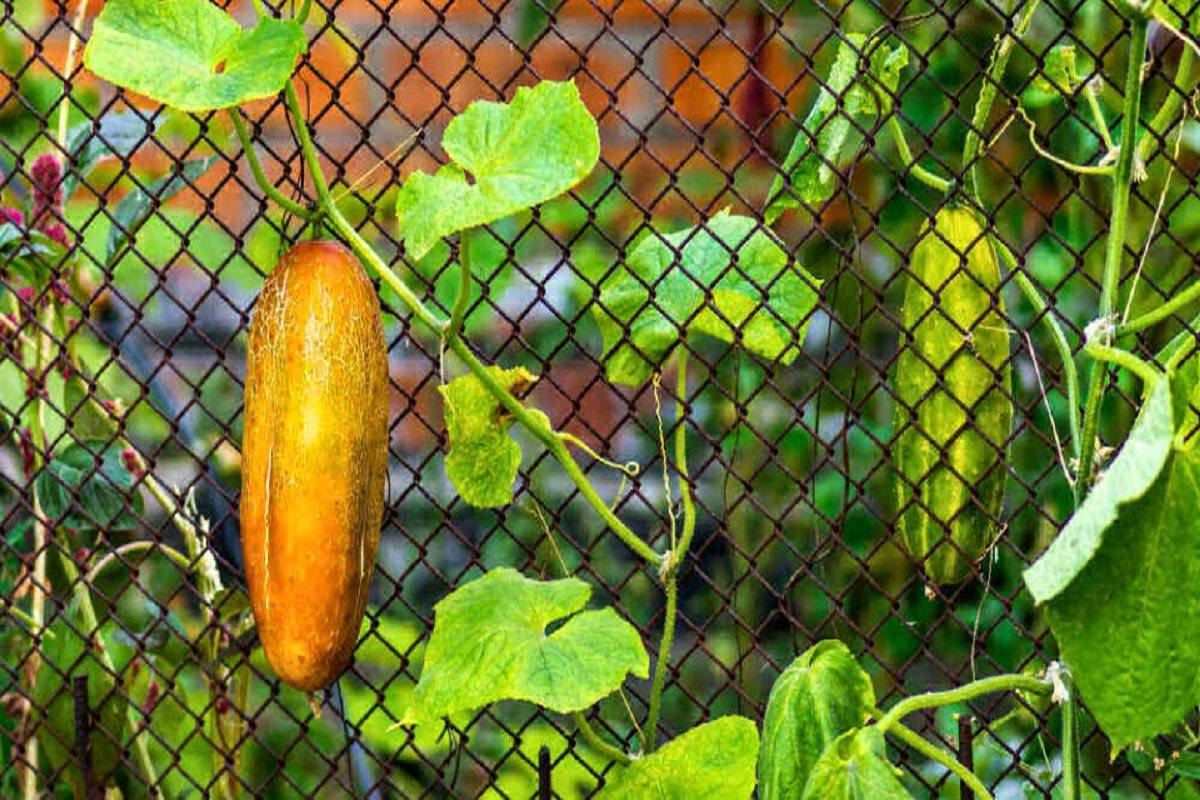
{"x":10,"y":214}
{"x":57,"y":232}
{"x":46,"y":174}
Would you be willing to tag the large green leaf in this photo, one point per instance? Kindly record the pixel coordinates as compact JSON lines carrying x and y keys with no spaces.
{"x":823,"y":694}
{"x":483,"y":459}
{"x":1128,"y":478}
{"x":823,"y":142}
{"x":518,"y":154}
{"x":489,"y":643}
{"x":87,"y":487}
{"x":855,"y":767}
{"x":191,"y":55}
{"x":1119,"y":584}
{"x":727,"y":278}
{"x":714,"y":760}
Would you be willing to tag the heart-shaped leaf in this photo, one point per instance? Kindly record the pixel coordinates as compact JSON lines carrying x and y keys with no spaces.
{"x":191,"y":55}
{"x":729,"y":278}
{"x":820,"y":696}
{"x":489,"y":643}
{"x":518,"y":154}
{"x":713,"y":760}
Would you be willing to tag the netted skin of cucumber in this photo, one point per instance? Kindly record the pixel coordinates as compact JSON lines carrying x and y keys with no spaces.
{"x":954,"y":407}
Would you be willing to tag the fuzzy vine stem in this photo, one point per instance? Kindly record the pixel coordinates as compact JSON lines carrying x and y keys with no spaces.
{"x":961,"y":694}
{"x":1163,"y":311}
{"x":1072,"y":788}
{"x":535,"y":424}
{"x":1183,"y":85}
{"x":936,"y":754}
{"x":128,"y":549}
{"x":1115,"y":244}
{"x":1103,"y":354}
{"x":677,"y":555}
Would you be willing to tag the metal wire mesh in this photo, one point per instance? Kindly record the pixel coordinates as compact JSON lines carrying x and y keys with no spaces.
{"x":697,"y":101}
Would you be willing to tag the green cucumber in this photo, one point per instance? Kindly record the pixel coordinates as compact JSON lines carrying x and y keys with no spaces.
{"x":954,"y":408}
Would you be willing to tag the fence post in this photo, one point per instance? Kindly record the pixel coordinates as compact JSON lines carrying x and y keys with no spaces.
{"x":83,"y":735}
{"x":966,"y":751}
{"x":544,"y":790}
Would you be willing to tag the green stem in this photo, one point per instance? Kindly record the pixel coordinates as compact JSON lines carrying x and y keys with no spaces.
{"x":670,"y":611}
{"x":936,"y":754}
{"x":459,"y":314}
{"x":1072,"y":789}
{"x":1177,"y":302}
{"x":1115,"y":244}
{"x":1059,"y":337}
{"x":671,"y":578}
{"x":535,"y":424}
{"x":987,"y":94}
{"x":91,"y":626}
{"x":260,"y":177}
{"x":906,"y":157}
{"x":1123,"y":358}
{"x":302,"y":14}
{"x":1089,"y":92}
{"x":961,"y":694}
{"x":1182,"y":88}
{"x":111,"y":557}
{"x":611,"y":752}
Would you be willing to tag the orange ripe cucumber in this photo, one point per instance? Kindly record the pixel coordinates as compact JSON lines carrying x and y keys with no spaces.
{"x":314,"y":458}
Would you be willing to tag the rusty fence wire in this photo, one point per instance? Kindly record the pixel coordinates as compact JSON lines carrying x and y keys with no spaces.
{"x":697,"y":102}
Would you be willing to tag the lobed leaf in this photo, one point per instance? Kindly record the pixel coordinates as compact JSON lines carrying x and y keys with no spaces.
{"x":518,"y":155}
{"x":191,"y":55}
{"x":489,"y":643}
{"x":728,"y":278}
{"x":483,"y":459}
{"x":713,"y":760}
{"x":820,"y":696}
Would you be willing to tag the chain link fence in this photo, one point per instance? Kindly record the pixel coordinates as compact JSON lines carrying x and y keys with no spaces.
{"x":791,"y":465}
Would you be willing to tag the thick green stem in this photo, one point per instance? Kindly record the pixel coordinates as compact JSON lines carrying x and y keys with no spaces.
{"x":260,"y":177}
{"x":1115,"y":244}
{"x":906,"y":157}
{"x":961,"y":694}
{"x":670,"y":611}
{"x":1123,"y":358}
{"x":1177,"y":302}
{"x":1186,"y":78}
{"x":987,"y":95}
{"x":1072,"y":783}
{"x":535,"y":424}
{"x":936,"y":754}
